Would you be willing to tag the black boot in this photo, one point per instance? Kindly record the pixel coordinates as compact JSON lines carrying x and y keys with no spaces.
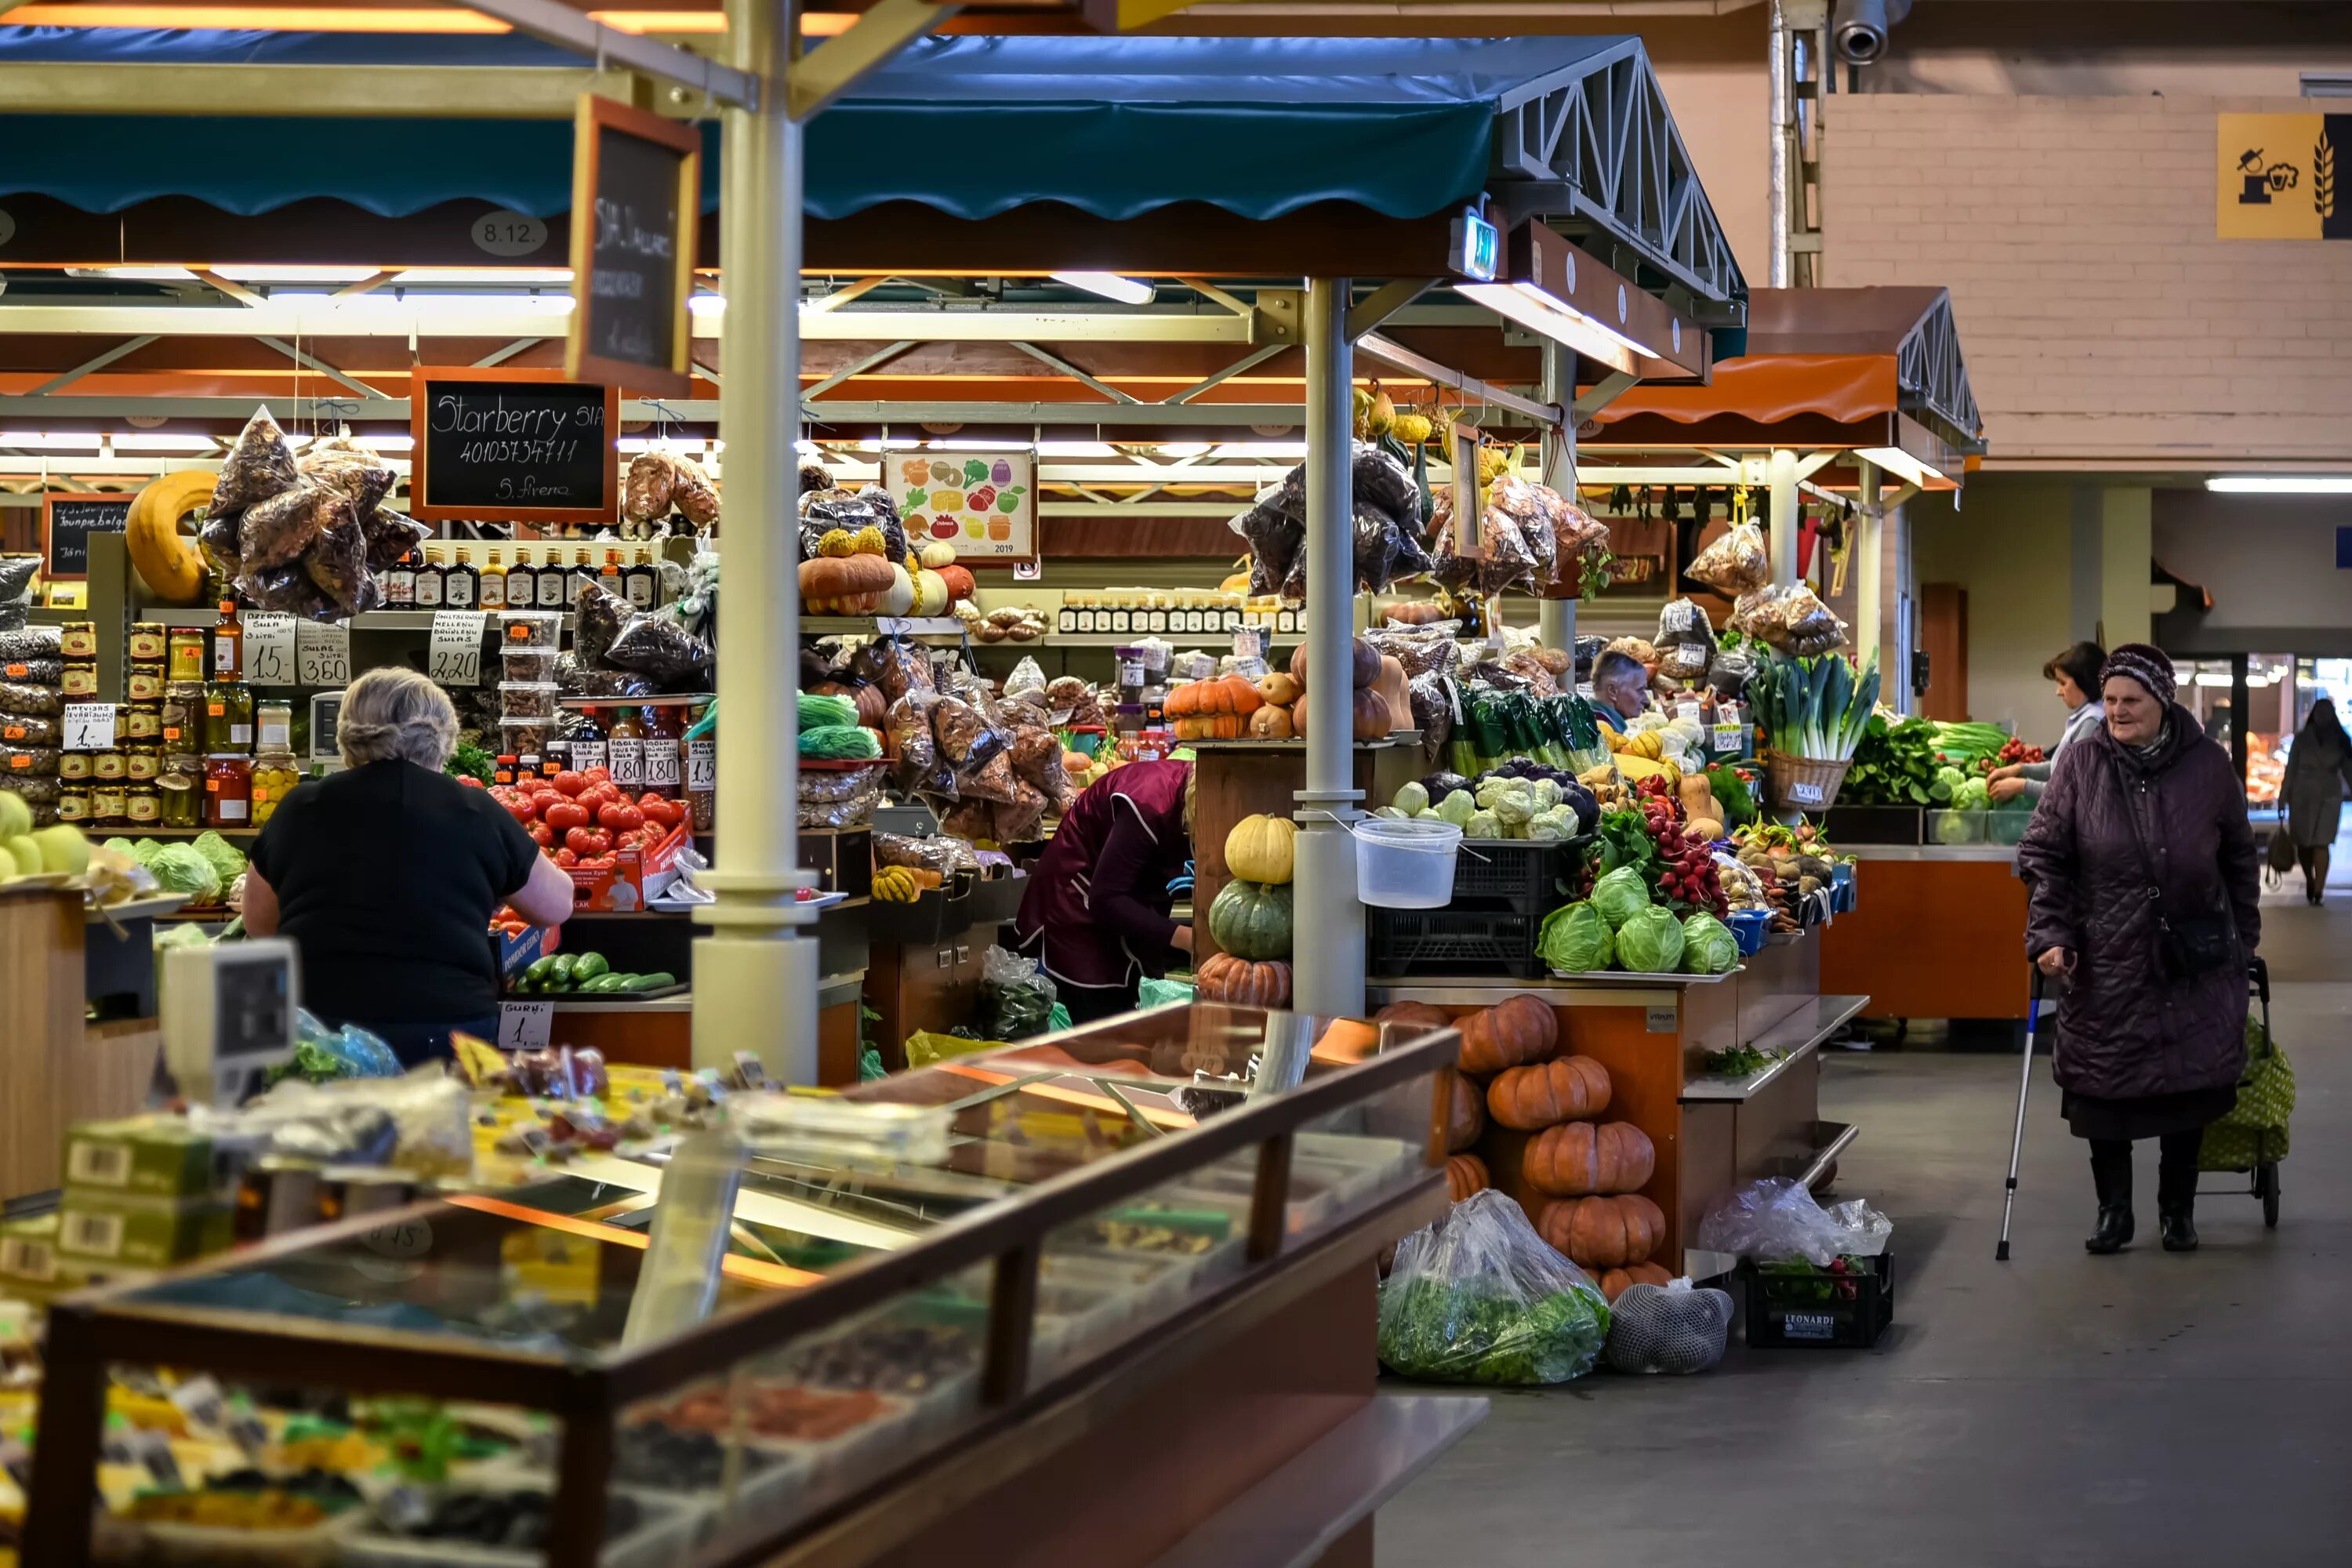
{"x":2175,"y":1190}
{"x":2114,"y":1230}
{"x":2111,"y":1173}
{"x":2179,"y":1228}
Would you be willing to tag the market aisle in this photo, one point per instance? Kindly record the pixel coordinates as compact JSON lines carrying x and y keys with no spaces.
{"x":2059,"y":1409}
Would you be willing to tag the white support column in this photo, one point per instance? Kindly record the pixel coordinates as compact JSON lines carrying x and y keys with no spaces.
{"x":755,"y":975}
{"x":1556,"y":618}
{"x":1327,"y":944}
{"x":1867,"y":630}
{"x":1782,"y":477}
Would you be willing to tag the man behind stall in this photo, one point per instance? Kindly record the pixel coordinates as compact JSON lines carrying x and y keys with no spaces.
{"x":1621,"y":689}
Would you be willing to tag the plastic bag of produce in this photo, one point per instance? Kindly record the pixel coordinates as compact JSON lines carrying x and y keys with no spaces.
{"x":1275,"y":539}
{"x":1708,"y":946}
{"x":1651,"y":939}
{"x":646,"y":493}
{"x":896,"y":667}
{"x":1037,"y":760}
{"x":658,"y":647}
{"x":990,"y":780}
{"x":1575,"y":938}
{"x":1671,"y":1328}
{"x":341,"y":464}
{"x":1686,"y":642}
{"x":1015,"y":821}
{"x":851,"y":808}
{"x":259,"y":465}
{"x":819,"y":711}
{"x":390,"y":536}
{"x":1735,"y":564}
{"x":336,"y":558}
{"x":16,"y":574}
{"x":839,"y":744}
{"x":599,"y":618}
{"x":693,"y":494}
{"x":1480,"y":1298}
{"x":1775,"y":1219}
{"x":1518,"y":500}
{"x":1016,"y":999}
{"x":1620,"y":895}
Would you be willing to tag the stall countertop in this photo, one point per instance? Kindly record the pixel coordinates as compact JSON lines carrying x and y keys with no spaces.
{"x":1480,"y":991}
{"x":1998,"y":852}
{"x":1795,"y":1038}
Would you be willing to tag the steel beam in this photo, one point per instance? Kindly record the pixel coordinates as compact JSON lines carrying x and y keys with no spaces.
{"x":1384,"y":302}
{"x":1397,"y":354}
{"x":886,"y":26}
{"x":96,"y":362}
{"x":312,"y":362}
{"x":412,"y":92}
{"x":1057,"y":364}
{"x":555,"y":23}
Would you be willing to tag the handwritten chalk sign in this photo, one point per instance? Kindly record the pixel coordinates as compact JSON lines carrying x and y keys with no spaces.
{"x":511,"y":446}
{"x":637,"y":187}
{"x":66,"y":524}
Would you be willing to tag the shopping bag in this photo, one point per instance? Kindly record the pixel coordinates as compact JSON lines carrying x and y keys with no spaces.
{"x":2256,"y":1130}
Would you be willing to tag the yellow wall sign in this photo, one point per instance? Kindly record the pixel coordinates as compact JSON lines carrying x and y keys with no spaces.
{"x":2276,"y":177}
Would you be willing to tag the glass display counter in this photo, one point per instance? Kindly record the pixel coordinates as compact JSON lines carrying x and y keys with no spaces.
{"x":899,"y":1272}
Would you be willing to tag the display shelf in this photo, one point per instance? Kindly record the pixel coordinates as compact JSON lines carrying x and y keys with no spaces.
{"x":369,"y":621}
{"x":918,"y":627}
{"x":135,"y":830}
{"x":1298,"y":744}
{"x":1797,"y":1036}
{"x":946,"y":628}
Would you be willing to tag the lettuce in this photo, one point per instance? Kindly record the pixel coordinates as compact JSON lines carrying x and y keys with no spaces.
{"x":1575,"y":938}
{"x":226,"y":860}
{"x":1651,"y":942}
{"x":1620,"y":895}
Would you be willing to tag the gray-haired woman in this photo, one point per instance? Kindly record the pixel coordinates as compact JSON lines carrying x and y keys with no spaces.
{"x":386,"y":874}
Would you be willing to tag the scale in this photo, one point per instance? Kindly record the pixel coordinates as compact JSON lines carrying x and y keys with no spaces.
{"x":326,"y":710}
{"x":228,"y":1015}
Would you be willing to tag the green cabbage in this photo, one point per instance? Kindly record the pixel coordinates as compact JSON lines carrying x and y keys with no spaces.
{"x":179,"y":868}
{"x":124,"y":846}
{"x":226,"y":862}
{"x":1548,"y":793}
{"x":1575,"y":938}
{"x":1620,"y":895}
{"x":146,"y":851}
{"x":1708,"y":946}
{"x":1651,"y":942}
{"x":1514,"y":810}
{"x":1483,"y":825}
{"x":1458,"y":808}
{"x":1412,"y":800}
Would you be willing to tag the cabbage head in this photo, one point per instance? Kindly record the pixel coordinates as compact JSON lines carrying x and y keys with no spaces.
{"x":1651,"y":942}
{"x":1620,"y":895}
{"x":1412,"y":800}
{"x":1483,"y":825}
{"x":1458,"y":808}
{"x":1575,"y":938}
{"x":226,"y":860}
{"x":179,"y":868}
{"x":1708,"y":946}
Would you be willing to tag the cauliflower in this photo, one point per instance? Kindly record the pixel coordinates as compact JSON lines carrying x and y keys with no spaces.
{"x":1512,"y":808}
{"x":1481,"y":825}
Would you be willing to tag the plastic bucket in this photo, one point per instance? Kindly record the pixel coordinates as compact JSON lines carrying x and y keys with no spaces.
{"x":1405,"y":864}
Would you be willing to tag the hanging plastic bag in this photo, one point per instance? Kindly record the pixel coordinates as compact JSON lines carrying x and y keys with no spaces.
{"x":1735,"y":564}
{"x":1026,"y":677}
{"x":1686,"y":642}
{"x":1479,"y":1297}
{"x":1671,"y":1328}
{"x":1016,"y":999}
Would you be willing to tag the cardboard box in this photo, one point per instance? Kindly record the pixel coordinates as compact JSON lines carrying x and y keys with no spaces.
{"x":636,"y":876}
{"x":107,"y":1231}
{"x":141,"y":1156}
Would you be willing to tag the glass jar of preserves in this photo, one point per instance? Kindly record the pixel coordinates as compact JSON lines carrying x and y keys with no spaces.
{"x":148,"y":643}
{"x":228,"y":791}
{"x":109,"y":801}
{"x":145,"y":683}
{"x":184,"y":717}
{"x":78,"y":680}
{"x":143,"y":807}
{"x":188,"y":654}
{"x":141,"y":721}
{"x":142,"y":765}
{"x":77,"y":640}
{"x":73,"y":764}
{"x":273,"y":727}
{"x":228,"y":718}
{"x":73,"y":802}
{"x":274,"y":773}
{"x":107,"y":766}
{"x":181,"y":789}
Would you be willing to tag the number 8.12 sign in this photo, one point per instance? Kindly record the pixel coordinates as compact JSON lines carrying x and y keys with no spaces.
{"x":984,"y":503}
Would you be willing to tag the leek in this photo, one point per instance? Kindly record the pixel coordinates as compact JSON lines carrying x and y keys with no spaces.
{"x":1815,"y":708}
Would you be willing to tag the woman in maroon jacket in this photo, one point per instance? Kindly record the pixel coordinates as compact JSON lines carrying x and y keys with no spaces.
{"x":1096,"y":914}
{"x":2143,"y":879}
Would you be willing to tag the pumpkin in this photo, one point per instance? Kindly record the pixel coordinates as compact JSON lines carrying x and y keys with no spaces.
{"x":1512,"y":1033}
{"x":1209,"y":727}
{"x":1365,"y":670}
{"x":171,"y":564}
{"x":1392,"y":689}
{"x":1466,"y":1114}
{"x":1413,"y":1015}
{"x":1271,"y":724}
{"x":1346,"y":1040}
{"x":1604,"y":1233}
{"x":1579,"y":1157}
{"x":1465,"y":1174}
{"x":899,"y":598}
{"x":957,"y":580}
{"x":1076,"y":762}
{"x":1615,"y":1282}
{"x":1221,"y":977}
{"x":1260,"y":849}
{"x":939,"y":556}
{"x":1227,"y":694}
{"x":1278,"y":687}
{"x":1372,"y":720}
{"x":1565,"y":1088}
{"x":844,"y":585}
{"x":1416,"y":613}
{"x":1250,"y":920}
{"x":931,"y":595}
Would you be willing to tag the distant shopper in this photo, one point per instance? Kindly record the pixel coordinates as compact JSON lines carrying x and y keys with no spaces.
{"x":1621,"y":689}
{"x":1096,"y":912}
{"x":2076,"y":673}
{"x":2143,"y":882}
{"x":386,"y":874}
{"x":2319,"y":769}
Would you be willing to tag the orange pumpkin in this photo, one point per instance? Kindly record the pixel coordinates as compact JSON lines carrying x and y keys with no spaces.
{"x":1372,"y":720}
{"x":1208,"y":727}
{"x":1392,"y":689}
{"x":1466,"y":1114}
{"x":1221,"y":977}
{"x":1544,"y":1093}
{"x":1278,"y":689}
{"x":1465,"y":1174}
{"x":1270,"y":723}
{"x":1603,"y":1232}
{"x":1512,"y":1033}
{"x":1615,"y":1282}
{"x":1347,"y":1041}
{"x":1365,"y":669}
{"x":958,"y":582}
{"x":1578,"y":1157}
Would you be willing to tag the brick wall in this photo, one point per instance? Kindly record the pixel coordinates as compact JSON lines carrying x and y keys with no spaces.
{"x":2104,"y":326}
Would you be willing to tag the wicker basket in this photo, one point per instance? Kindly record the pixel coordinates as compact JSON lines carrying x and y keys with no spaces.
{"x":1802,"y":783}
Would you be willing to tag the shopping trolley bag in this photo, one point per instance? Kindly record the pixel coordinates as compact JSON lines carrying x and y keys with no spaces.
{"x":2255,"y":1132}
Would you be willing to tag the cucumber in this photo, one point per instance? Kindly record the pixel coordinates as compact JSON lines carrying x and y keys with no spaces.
{"x":540,"y":967}
{"x":564,"y":964}
{"x":604,"y":984}
{"x":654,"y":982}
{"x":591,"y":966}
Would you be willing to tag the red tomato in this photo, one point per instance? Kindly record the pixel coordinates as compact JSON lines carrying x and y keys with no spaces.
{"x":521,"y":810}
{"x":598,"y":775}
{"x":658,"y":810}
{"x":569,"y":783}
{"x":566,"y":857}
{"x":470,"y":782}
{"x":620,"y":816}
{"x":588,"y":841}
{"x":564,"y":815}
{"x":543,"y":835}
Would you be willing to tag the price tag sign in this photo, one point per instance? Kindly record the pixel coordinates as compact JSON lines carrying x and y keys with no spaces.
{"x":1727,"y":738}
{"x":523,"y":1026}
{"x":455,"y":656}
{"x":1584,"y":689}
{"x":268,"y":648}
{"x":322,"y":653}
{"x":1693,"y":653}
{"x":1687,"y":708}
{"x":90,"y":727}
{"x":1804,"y":791}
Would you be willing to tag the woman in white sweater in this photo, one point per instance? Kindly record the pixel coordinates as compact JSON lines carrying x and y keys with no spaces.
{"x":2076,"y":673}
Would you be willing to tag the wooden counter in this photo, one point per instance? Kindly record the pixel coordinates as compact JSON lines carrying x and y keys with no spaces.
{"x":1938,"y":931}
{"x":53,"y":1068}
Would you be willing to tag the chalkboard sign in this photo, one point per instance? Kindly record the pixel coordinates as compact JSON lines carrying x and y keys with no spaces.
{"x":66,"y":524}
{"x":511,"y":446}
{"x":637,"y":186}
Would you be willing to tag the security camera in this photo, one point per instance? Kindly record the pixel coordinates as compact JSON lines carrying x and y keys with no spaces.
{"x":1860,"y":28}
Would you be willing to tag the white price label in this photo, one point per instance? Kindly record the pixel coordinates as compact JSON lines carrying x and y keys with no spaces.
{"x":322,"y":653}
{"x":455,"y":656}
{"x":523,"y":1026}
{"x":90,"y":726}
{"x":268,"y":648}
{"x":1584,"y":689}
{"x":1728,"y":737}
{"x":702,"y":765}
{"x":1804,"y":791}
{"x":1693,"y":653}
{"x":1687,"y":708}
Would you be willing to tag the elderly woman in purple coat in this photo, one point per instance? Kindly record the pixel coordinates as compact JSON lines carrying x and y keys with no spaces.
{"x":2143,"y":878}
{"x":1096,"y":912}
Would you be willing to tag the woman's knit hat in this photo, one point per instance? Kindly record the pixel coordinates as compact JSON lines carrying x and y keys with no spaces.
{"x":2151,"y":666}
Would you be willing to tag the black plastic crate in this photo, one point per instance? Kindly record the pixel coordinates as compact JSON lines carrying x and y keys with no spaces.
{"x":1849,"y":825}
{"x":1408,"y":943}
{"x":1523,"y":872}
{"x":1819,"y":1310}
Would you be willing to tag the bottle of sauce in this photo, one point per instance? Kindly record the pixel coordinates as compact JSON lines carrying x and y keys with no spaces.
{"x":428,"y":592}
{"x":625,"y":739}
{"x":493,"y":588}
{"x":228,"y":644}
{"x":583,"y":742}
{"x":228,"y":792}
{"x":641,"y":582}
{"x":555,"y":582}
{"x":583,"y":572}
{"x":228,"y":718}
{"x":665,"y":762}
{"x":702,"y":770}
{"x":461,"y":583}
{"x":609,"y":577}
{"x":400,"y":583}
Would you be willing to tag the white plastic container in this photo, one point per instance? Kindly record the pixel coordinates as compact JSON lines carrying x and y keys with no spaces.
{"x":1405,"y":864}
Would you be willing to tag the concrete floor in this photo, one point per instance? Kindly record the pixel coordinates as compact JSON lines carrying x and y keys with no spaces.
{"x":2145,"y":1409}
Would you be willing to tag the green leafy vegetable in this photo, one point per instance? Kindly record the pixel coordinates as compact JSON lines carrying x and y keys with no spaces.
{"x":179,"y":868}
{"x":227,"y":862}
{"x":823,"y":710}
{"x":1708,"y":946}
{"x":1620,"y":895}
{"x":1651,"y":941}
{"x":839,"y":743}
{"x":471,"y":761}
{"x":1814,"y":707}
{"x":1575,"y":938}
{"x":1480,"y":1298}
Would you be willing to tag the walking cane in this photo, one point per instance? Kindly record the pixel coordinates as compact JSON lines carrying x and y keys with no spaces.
{"x":2017,"y":1139}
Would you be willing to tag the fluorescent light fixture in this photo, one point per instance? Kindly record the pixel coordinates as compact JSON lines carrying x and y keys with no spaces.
{"x":388,"y":443}
{"x":70,"y":441}
{"x":1291,"y":449}
{"x":273,"y":273}
{"x":1075,"y":449}
{"x":706,"y":304}
{"x":2281,"y":484}
{"x":1182,"y":448}
{"x":135,"y":274}
{"x":429,"y":304}
{"x":1901,"y":464}
{"x":1109,"y":285}
{"x":1539,"y":310}
{"x":520,"y":277}
{"x":139,"y":443}
{"x":2212,"y":678}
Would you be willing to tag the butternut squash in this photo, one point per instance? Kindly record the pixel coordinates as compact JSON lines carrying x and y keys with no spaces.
{"x":1391,"y":688}
{"x":168,"y":562}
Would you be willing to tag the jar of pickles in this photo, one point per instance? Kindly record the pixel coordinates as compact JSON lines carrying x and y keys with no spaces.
{"x":180,"y":789}
{"x":274,"y":773}
{"x":228,"y":791}
{"x":228,"y":718}
{"x":187,"y":658}
{"x":143,"y":806}
{"x":148,"y":643}
{"x":184,"y":717}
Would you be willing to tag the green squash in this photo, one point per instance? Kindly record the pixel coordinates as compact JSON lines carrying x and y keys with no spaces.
{"x":1252,"y":921}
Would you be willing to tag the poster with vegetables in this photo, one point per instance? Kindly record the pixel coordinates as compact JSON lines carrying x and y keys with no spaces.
{"x":983,"y":503}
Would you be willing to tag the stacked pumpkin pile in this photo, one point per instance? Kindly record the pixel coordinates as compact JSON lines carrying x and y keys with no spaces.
{"x":1274,"y":707}
{"x":1249,"y":920}
{"x":1527,"y":1119}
